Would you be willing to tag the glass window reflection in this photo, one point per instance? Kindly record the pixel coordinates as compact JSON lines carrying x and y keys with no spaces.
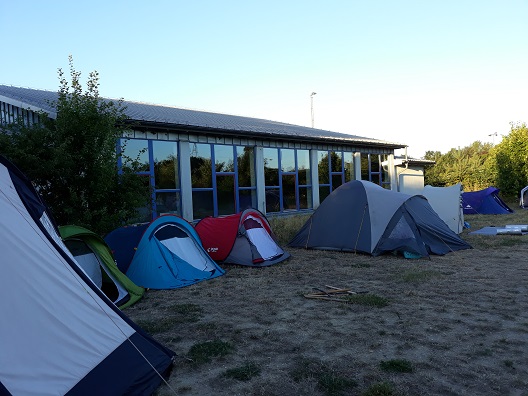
{"x":303,"y":167}
{"x":134,"y":153}
{"x":201,"y":171}
{"x":289,"y":192}
{"x":165,"y":164}
{"x":224,"y":161}
{"x":246,"y":166}
{"x":349,"y":166}
{"x":168,"y":203}
{"x":271,"y":166}
{"x":225,"y":190}
{"x":202,"y":204}
{"x":287,"y":160}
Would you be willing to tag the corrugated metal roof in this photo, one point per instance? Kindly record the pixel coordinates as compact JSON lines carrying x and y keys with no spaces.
{"x":412,"y":161}
{"x":177,"y":117}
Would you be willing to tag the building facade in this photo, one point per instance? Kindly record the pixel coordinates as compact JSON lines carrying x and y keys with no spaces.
{"x":202,"y":164}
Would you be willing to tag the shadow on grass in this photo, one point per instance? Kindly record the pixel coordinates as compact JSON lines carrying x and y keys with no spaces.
{"x":329,"y":380}
{"x":243,"y":373}
{"x":204,"y":352}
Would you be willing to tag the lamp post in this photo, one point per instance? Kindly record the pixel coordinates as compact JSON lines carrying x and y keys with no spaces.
{"x":493,"y":137}
{"x":311,"y":106}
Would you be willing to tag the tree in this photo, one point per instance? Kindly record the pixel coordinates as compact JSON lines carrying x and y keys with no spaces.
{"x":433,"y":173}
{"x":511,"y":158}
{"x":72,"y":159}
{"x":470,"y":166}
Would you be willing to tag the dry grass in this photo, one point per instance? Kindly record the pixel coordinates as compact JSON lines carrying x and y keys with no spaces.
{"x":285,"y":227}
{"x":459,"y":321}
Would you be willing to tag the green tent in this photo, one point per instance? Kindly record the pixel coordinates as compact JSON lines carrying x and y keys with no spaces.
{"x":95,"y":257}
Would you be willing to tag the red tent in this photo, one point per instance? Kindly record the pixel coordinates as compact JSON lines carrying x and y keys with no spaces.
{"x":244,"y":238}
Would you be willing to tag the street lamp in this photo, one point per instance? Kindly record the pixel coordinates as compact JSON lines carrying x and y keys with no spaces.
{"x":493,"y":138}
{"x":311,"y":105}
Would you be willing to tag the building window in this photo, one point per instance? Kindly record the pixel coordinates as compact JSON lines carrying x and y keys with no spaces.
{"x":247,"y":184}
{"x":202,"y":180}
{"x":223,"y":179}
{"x":334,"y":169}
{"x":157,"y":161}
{"x":287,"y":180}
{"x":348,"y":162}
{"x":135,"y":151}
{"x":372,"y":169}
{"x":271,"y":177}
{"x":167,"y":196}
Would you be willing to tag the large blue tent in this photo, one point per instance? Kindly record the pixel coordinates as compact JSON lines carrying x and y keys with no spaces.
{"x":164,"y":254}
{"x":361,"y":216}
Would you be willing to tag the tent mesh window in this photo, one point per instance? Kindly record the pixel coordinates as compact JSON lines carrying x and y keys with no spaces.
{"x":402,"y":230}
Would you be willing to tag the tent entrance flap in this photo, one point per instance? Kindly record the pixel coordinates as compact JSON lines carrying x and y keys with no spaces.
{"x":86,"y":259}
{"x":261,"y":239}
{"x":523,"y":202}
{"x":97,"y":271}
{"x":402,"y":235}
{"x":179,"y":243}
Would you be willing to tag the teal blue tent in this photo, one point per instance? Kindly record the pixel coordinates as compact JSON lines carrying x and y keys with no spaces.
{"x":168,"y":255}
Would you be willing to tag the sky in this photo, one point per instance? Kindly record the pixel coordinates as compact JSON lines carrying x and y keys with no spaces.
{"x":433,"y":75}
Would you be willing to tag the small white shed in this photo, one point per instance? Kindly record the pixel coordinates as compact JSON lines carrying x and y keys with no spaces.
{"x":410,"y":174}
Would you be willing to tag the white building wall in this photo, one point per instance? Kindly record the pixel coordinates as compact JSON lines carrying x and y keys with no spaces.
{"x":185,"y":180}
{"x":261,"y":182}
{"x":314,"y":175}
{"x":392,"y":173}
{"x":410,"y":179}
{"x":357,"y":166}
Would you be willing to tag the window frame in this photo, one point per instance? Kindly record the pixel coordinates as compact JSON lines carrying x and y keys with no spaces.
{"x":297,"y":187}
{"x":151,"y":174}
{"x":382,"y":175}
{"x":331,"y":173}
{"x":234,"y":174}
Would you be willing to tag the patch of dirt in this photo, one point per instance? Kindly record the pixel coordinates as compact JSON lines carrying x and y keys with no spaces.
{"x":461,"y":320}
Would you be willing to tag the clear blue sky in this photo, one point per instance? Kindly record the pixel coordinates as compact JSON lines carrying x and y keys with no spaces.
{"x":430,"y":74}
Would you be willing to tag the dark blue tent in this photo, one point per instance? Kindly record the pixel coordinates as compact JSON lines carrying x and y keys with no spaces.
{"x":361,"y":216}
{"x":485,"y":201}
{"x":165,"y":254}
{"x":123,"y":242}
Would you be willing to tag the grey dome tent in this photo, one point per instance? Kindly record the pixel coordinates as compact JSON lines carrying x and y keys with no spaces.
{"x":60,"y":334}
{"x":361,"y":216}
